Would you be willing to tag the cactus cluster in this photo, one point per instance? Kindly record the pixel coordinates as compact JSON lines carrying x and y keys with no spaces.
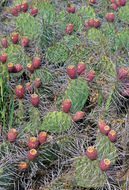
{"x":64,"y":92}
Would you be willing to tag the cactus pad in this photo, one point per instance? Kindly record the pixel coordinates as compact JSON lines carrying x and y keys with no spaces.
{"x":70,"y":41}
{"x":56,"y":122}
{"x":86,"y":12}
{"x":123,"y":14}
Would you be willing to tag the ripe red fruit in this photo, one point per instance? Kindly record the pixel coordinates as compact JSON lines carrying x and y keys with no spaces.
{"x":32,"y":143}
{"x":122,"y":2}
{"x":72,"y":9}
{"x":69,"y":28}
{"x":3,"y":57}
{"x":14,"y":37}
{"x":78,"y":116}
{"x":71,"y":71}
{"x":114,"y":6}
{"x":19,"y":91}
{"x":32,"y":154}
{"x":34,"y":100}
{"x":112,"y":1}
{"x":34,"y":11}
{"x":14,"y":11}
{"x":80,"y":68}
{"x":10,"y":67}
{"x":25,"y":41}
{"x":30,"y":67}
{"x":112,"y":135}
{"x":18,"y":67}
{"x":91,"y":153}
{"x":122,"y":73}
{"x":104,"y":164}
{"x":22,"y":166}
{"x":24,"y":6}
{"x":92,"y":2}
{"x":36,"y":62}
{"x":87,"y":25}
{"x":12,"y":134}
{"x":91,"y":22}
{"x":42,"y":137}
{"x":109,"y":17}
{"x":66,"y":105}
{"x":18,"y":8}
{"x":118,"y":3}
{"x":101,"y":124}
{"x":29,"y":87}
{"x":96,"y":23}
{"x":105,"y":130}
{"x":37,"y":82}
{"x":90,"y":76}
{"x":4,"y":42}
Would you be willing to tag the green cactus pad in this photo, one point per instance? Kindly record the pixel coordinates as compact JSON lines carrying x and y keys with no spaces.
{"x":86,"y":12}
{"x":123,"y":14}
{"x":46,"y":12}
{"x":44,"y":74}
{"x":64,"y":18}
{"x":122,"y":39}
{"x":88,"y":174}
{"x":77,"y":92}
{"x":108,"y":29}
{"x":95,"y":36}
{"x":57,"y":54}
{"x":27,"y":25}
{"x":70,"y":41}
{"x":105,"y":148}
{"x":56,"y":122}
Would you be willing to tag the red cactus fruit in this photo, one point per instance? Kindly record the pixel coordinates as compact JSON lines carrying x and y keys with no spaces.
{"x":24,"y":6}
{"x":122,"y":73}
{"x":30,"y":67}
{"x":10,"y":67}
{"x":69,"y":28}
{"x":34,"y":100}
{"x":3,"y":57}
{"x":104,"y":164}
{"x":78,"y":115}
{"x":118,"y":4}
{"x":112,"y":135}
{"x":22,"y":166}
{"x":91,"y":22}
{"x":36,"y":62}
{"x":19,"y":91}
{"x":66,"y":105}
{"x":87,"y":25}
{"x":90,"y":76}
{"x":34,"y":11}
{"x":25,"y":41}
{"x":32,"y":143}
{"x":112,"y":1}
{"x":18,"y":7}
{"x":37,"y":82}
{"x":18,"y":67}
{"x":109,"y":17}
{"x":70,"y":8}
{"x":105,"y":130}
{"x":122,"y":2}
{"x":32,"y":154}
{"x":14,"y":11}
{"x":96,"y":23}
{"x":4,"y":42}
{"x":114,"y":6}
{"x":101,"y":124}
{"x":14,"y":37}
{"x":29,"y":87}
{"x":42,"y":137}
{"x":81,"y":68}
{"x":71,"y":71}
{"x":12,"y":134}
{"x":91,"y":153}
{"x":92,"y":2}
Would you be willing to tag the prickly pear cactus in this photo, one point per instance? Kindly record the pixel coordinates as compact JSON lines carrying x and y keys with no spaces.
{"x":57,"y":54}
{"x":56,"y":122}
{"x":86,"y":12}
{"x":27,"y":25}
{"x":123,"y":14}
{"x":122,"y":40}
{"x":105,"y":148}
{"x":88,"y":174}
{"x":77,"y":92}
{"x":70,"y":41}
